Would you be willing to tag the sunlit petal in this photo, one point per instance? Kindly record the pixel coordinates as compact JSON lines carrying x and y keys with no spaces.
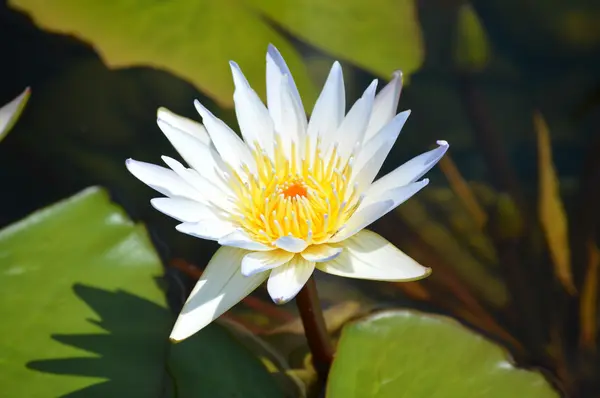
{"x":372,"y":210}
{"x":201,"y":157}
{"x":321,"y":253}
{"x":291,"y":244}
{"x":220,"y":287}
{"x":329,"y":109}
{"x":231,"y":148}
{"x":173,"y":121}
{"x":373,"y":153}
{"x":256,"y":262}
{"x":385,"y":106}
{"x":211,"y":229}
{"x":351,"y":131}
{"x":286,"y":281}
{"x":161,"y":179}
{"x":367,"y":255}
{"x":408,"y":172}
{"x":276,"y":69}
{"x":253,"y":117}
{"x":182,"y":209}
{"x":240,"y":239}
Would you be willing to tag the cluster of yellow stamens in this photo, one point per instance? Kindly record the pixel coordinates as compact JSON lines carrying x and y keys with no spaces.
{"x":307,"y":198}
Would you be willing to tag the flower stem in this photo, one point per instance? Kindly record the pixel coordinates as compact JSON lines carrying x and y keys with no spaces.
{"x":311,"y":314}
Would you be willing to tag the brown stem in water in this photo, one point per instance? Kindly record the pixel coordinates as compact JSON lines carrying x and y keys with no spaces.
{"x":317,"y":336}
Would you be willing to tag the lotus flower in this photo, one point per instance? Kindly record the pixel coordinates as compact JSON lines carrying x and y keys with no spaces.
{"x":291,"y":195}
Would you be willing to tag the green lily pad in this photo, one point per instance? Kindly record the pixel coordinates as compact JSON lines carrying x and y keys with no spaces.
{"x":195,"y":39}
{"x":82,"y":314}
{"x":410,"y":354}
{"x":192,"y":39}
{"x":380,"y":36}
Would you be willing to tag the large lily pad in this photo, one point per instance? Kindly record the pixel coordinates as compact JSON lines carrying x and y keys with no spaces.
{"x":411,"y":354}
{"x":82,"y":314}
{"x":195,"y":39}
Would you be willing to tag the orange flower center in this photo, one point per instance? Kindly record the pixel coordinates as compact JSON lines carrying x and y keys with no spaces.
{"x":296,"y":188}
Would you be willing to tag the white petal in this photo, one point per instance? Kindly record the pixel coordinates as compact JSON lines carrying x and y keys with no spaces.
{"x":231,"y":148}
{"x":329,"y":109}
{"x":321,"y":253}
{"x":373,"y":154}
{"x":206,"y":190}
{"x":385,"y":105}
{"x":351,"y":131}
{"x":220,"y":287}
{"x":408,"y":172}
{"x":212,"y":229}
{"x":161,"y":179}
{"x":367,"y":255}
{"x":10,"y":112}
{"x":291,"y":244}
{"x":371,"y":210}
{"x":293,"y":120}
{"x":253,"y":117}
{"x":240,"y":239}
{"x":199,"y":156}
{"x":282,"y":91}
{"x":286,"y":281}
{"x":363,"y":216}
{"x":256,"y":262}
{"x":276,"y":67}
{"x":183,"y":124}
{"x":182,"y":209}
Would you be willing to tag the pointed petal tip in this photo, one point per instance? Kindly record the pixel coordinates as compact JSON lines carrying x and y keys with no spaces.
{"x":235,"y":68}
{"x":202,"y":110}
{"x":161,"y":110}
{"x":426,"y":272}
{"x":281,"y":300}
{"x":337,"y":67}
{"x":273,"y":51}
{"x":442,"y":143}
{"x":370,"y":91}
{"x":397,"y":74}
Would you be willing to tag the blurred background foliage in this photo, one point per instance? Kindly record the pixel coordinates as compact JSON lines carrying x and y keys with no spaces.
{"x":509,"y":224}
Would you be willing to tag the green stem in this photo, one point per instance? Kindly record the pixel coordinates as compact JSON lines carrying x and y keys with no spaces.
{"x":317,"y":336}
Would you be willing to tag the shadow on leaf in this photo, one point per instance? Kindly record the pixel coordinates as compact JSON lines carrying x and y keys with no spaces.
{"x":131,"y":356}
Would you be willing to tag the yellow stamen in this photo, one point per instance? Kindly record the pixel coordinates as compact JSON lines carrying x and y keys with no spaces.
{"x":303,"y":196}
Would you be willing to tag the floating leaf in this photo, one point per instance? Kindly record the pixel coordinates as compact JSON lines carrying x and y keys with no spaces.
{"x":553,"y":217}
{"x":83,"y":316}
{"x":11,"y":111}
{"x":195,"y":40}
{"x":380,"y":36}
{"x":411,"y":354}
{"x":87,"y":241}
{"x":203,"y":367}
{"x":191,"y":39}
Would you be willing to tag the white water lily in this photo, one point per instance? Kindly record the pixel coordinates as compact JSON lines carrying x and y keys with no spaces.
{"x":11,"y":111}
{"x":292,"y":195}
